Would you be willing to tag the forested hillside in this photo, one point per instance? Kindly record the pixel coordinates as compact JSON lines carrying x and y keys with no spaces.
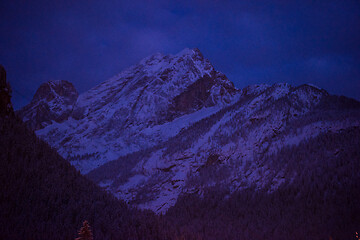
{"x":43,"y":197}
{"x":321,"y":201}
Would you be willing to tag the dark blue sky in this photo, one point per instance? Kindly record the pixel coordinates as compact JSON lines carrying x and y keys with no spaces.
{"x":87,"y":41}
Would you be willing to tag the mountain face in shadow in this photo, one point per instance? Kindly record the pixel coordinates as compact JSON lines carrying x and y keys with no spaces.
{"x":43,"y":197}
{"x":5,"y":94}
{"x":318,"y":199}
{"x":53,"y":101}
{"x":146,"y":132}
{"x":173,"y":135}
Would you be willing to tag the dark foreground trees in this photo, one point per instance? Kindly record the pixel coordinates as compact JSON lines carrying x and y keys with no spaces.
{"x":43,"y":197}
{"x":321,"y":200}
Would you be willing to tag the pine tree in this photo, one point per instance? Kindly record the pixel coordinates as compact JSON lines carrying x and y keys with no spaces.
{"x":85,"y":232}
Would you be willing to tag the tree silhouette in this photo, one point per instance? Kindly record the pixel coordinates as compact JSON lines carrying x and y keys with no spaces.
{"x":85,"y":232}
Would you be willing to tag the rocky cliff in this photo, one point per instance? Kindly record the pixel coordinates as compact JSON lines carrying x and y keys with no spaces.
{"x":172,"y":124}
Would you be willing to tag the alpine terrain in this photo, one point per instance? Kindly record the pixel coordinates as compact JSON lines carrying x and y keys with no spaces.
{"x":173,"y":126}
{"x":43,"y":197}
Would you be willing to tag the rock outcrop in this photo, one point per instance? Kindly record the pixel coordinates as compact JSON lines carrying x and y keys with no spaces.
{"x":5,"y":94}
{"x":53,"y":101}
{"x":173,"y":124}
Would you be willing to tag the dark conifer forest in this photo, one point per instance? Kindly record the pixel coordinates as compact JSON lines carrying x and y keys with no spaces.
{"x":323,"y":201}
{"x":44,"y":197}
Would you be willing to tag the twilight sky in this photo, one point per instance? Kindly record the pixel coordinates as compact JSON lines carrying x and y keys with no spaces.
{"x":86,"y":42}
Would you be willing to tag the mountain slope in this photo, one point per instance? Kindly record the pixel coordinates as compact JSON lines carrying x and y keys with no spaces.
{"x":43,"y":197}
{"x":321,"y":202}
{"x":122,"y":114}
{"x":53,"y":101}
{"x":148,"y":134}
{"x":232,"y":140}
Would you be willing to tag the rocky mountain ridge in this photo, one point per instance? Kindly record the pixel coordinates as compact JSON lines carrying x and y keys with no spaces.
{"x":53,"y":101}
{"x":172,"y":124}
{"x":44,"y":197}
{"x":228,"y":147}
{"x":122,"y":114}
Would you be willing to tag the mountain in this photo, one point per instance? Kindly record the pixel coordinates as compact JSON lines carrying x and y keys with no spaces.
{"x":122,"y":114}
{"x":43,"y":197}
{"x":53,"y":101}
{"x":173,"y":125}
{"x":319,"y":199}
{"x":228,"y":147}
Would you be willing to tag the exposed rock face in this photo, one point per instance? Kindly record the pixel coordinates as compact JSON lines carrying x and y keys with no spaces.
{"x":125,"y":113}
{"x":144,"y":93}
{"x":5,"y":94}
{"x":205,"y":92}
{"x":53,"y":101}
{"x":226,"y":146}
{"x":153,"y":131}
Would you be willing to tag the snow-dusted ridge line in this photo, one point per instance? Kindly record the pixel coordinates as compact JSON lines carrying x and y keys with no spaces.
{"x":312,"y":85}
{"x":122,"y":114}
{"x":151,"y":132}
{"x":258,"y":120}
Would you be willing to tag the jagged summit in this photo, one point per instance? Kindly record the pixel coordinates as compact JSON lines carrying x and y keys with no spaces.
{"x":192,"y":52}
{"x":158,"y":61}
{"x":144,"y":132}
{"x":53,"y":101}
{"x":56,"y":88}
{"x":112,"y":115}
{"x":147,"y":90}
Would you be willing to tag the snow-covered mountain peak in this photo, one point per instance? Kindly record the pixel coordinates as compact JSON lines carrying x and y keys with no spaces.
{"x":193,"y":53}
{"x":185,"y":51}
{"x":53,"y":101}
{"x":255,"y":89}
{"x":124,"y":113}
{"x":187,"y":58}
{"x":232,"y":138}
{"x":156,"y":129}
{"x":312,"y":85}
{"x":154,"y":83}
{"x":55,"y":89}
{"x":153,"y":59}
{"x":311,"y":93}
